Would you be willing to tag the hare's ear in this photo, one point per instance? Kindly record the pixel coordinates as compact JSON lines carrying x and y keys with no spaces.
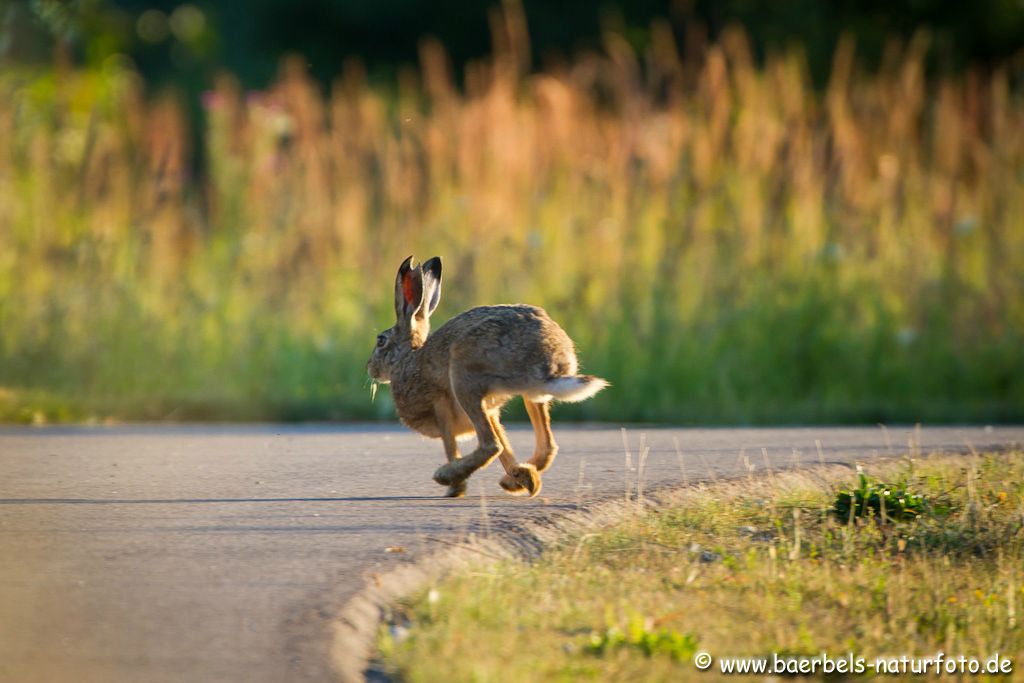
{"x":408,"y":291}
{"x":431,"y":270}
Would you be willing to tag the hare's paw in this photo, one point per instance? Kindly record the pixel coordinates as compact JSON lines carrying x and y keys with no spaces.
{"x":512,"y":486}
{"x":456,"y":490}
{"x":525,"y":478}
{"x":447,"y":475}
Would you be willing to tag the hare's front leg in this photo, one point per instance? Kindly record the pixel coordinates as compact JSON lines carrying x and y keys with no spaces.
{"x":445,"y":424}
{"x":544,"y":451}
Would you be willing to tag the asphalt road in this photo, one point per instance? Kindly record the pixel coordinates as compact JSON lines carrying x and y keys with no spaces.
{"x":221,"y":553}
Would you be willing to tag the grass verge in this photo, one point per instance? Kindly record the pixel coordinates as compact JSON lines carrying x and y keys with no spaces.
{"x":771,"y":565}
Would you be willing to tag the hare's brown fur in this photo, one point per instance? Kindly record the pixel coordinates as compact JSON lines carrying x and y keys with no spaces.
{"x":454,"y":382}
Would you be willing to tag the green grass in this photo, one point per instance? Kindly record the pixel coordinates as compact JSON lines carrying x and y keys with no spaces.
{"x":724,"y":242}
{"x":740,"y":569}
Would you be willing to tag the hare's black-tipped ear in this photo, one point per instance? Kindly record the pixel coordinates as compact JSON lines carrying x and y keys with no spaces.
{"x":408,"y":290}
{"x":431,"y":270}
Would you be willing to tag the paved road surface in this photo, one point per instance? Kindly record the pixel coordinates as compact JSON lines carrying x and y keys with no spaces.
{"x":220,"y":553}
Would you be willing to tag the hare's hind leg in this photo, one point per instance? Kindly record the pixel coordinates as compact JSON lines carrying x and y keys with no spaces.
{"x":492,"y":443}
{"x":518,"y":479}
{"x":545,"y":450}
{"x":488,"y":444}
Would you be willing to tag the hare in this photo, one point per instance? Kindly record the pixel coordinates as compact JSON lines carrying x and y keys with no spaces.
{"x":454,"y":382}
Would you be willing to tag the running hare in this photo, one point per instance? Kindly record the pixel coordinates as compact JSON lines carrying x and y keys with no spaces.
{"x":454,"y":382}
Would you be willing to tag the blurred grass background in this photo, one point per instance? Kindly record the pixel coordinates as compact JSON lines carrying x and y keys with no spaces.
{"x":725,"y":241}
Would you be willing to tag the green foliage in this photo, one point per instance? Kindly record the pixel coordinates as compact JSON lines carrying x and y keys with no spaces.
{"x":250,"y":38}
{"x":883,"y":501}
{"x":641,"y":635}
{"x":746,"y":251}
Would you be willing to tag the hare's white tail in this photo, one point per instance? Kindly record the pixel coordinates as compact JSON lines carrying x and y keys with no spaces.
{"x":572,"y":389}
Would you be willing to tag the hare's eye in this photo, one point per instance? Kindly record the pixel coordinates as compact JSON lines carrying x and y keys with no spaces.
{"x":381,"y":340}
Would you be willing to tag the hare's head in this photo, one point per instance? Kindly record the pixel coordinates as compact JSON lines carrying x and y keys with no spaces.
{"x":417,"y":292}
